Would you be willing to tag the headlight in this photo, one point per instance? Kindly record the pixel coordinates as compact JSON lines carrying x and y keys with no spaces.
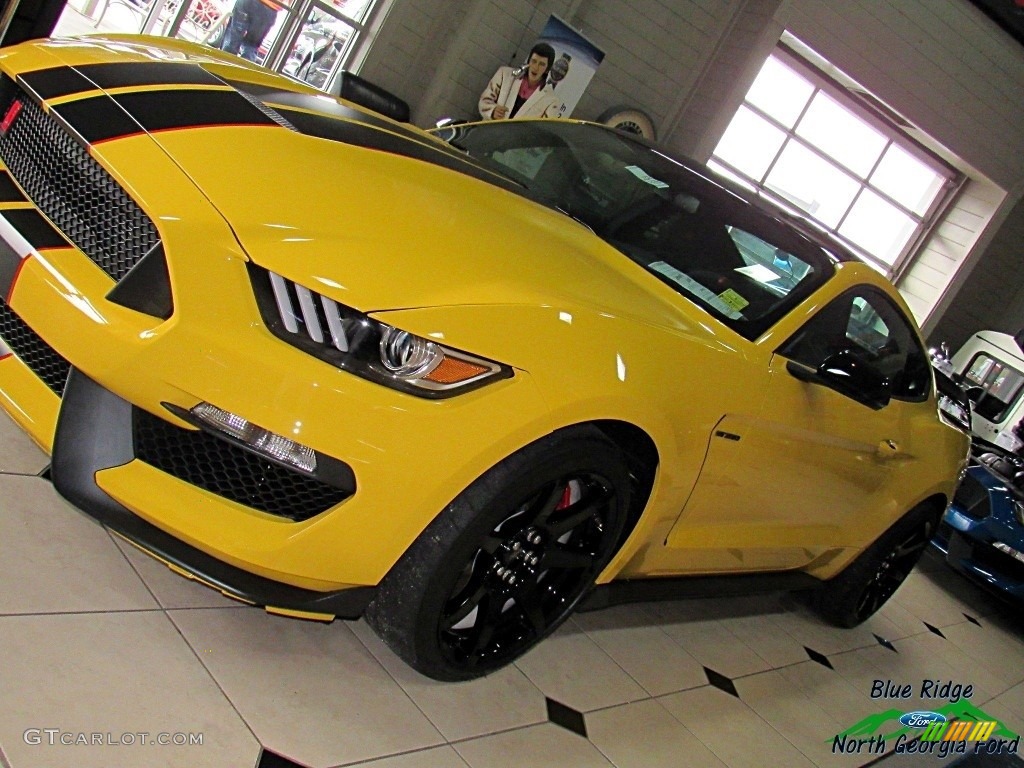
{"x":408,"y":356}
{"x":357,"y":343}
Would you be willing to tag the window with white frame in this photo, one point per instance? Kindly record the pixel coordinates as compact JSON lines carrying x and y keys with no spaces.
{"x":800,"y":138}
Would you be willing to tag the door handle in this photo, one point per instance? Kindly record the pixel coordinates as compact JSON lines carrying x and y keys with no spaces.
{"x":887,"y":449}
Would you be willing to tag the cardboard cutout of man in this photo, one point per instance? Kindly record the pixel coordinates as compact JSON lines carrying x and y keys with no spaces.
{"x":515,"y":93}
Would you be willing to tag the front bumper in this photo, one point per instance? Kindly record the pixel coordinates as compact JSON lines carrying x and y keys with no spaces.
{"x":967,"y":545}
{"x":409,"y":457}
{"x":89,"y":409}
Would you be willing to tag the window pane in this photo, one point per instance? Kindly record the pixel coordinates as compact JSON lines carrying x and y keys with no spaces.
{"x":750,"y":143}
{"x":202,"y":15}
{"x":907,"y":180}
{"x":980,"y":367}
{"x":766,"y":264}
{"x":353,"y":9}
{"x":780,"y":92}
{"x":730,"y":174}
{"x":878,"y":227}
{"x":812,"y":184}
{"x":317,"y":48}
{"x":842,"y":135}
{"x":866,"y":328}
{"x":1000,"y":383}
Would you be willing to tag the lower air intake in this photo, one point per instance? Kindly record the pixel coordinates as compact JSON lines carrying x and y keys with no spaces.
{"x":220,"y":467}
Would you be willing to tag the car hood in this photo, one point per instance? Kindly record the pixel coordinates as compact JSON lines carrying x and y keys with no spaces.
{"x":376,"y":214}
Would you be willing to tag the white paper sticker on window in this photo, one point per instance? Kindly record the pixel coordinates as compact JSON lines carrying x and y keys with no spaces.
{"x":644,"y":176}
{"x":697,"y":289}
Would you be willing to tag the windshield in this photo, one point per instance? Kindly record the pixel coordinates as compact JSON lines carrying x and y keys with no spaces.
{"x":673,"y":219}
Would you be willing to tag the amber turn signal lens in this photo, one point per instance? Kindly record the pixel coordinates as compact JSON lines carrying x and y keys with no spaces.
{"x":451,"y":370}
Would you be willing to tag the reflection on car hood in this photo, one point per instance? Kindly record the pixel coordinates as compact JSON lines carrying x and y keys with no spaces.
{"x":376,"y":214}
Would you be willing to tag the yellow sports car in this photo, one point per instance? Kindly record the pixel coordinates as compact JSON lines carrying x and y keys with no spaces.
{"x":460,"y":384}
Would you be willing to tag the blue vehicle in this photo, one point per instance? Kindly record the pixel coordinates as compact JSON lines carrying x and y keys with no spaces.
{"x":982,"y":532}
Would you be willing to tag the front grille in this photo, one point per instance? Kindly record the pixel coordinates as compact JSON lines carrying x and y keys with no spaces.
{"x":39,"y":356}
{"x":998,"y":563}
{"x":72,"y":189}
{"x":971,"y":498}
{"x":223,"y":468}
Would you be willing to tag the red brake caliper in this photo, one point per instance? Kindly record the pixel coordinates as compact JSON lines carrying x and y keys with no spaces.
{"x":566,"y":499}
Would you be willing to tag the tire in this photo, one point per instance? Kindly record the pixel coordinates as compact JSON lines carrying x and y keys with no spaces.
{"x":869,"y":581}
{"x":629,"y":120}
{"x":217,"y":37}
{"x":508,"y":560}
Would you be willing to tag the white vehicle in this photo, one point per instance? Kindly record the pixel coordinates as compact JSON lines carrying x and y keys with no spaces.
{"x":990,"y":367}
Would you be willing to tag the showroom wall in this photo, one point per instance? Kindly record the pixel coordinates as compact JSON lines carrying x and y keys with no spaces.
{"x":655,"y":51}
{"x":957,"y":77}
{"x":941,"y":65}
{"x":993,"y":295}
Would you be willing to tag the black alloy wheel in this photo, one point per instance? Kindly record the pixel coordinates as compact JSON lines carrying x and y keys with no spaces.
{"x":893,"y":570}
{"x":527,"y":571}
{"x":508,"y":560}
{"x":870,"y":580}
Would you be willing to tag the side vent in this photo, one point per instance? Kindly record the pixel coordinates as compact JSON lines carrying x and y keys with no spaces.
{"x":147,"y":286}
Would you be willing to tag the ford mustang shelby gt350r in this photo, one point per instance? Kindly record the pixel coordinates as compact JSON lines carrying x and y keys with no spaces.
{"x":336,"y":366}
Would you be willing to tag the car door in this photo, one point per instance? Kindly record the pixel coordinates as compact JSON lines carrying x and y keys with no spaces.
{"x":785,"y":486}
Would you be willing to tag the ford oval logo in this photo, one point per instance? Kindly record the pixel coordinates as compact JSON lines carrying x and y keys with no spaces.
{"x":921,"y":719}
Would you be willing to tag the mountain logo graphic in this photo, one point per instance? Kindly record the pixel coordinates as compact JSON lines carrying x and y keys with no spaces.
{"x":963,"y":710}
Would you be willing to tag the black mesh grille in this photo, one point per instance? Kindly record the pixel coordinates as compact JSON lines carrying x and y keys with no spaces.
{"x":225,"y":469}
{"x":72,"y":189}
{"x":972,"y":499}
{"x":43,"y":361}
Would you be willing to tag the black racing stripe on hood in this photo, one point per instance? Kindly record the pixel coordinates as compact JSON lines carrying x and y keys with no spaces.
{"x":101,"y":118}
{"x":96,"y":119}
{"x":65,"y":81}
{"x":9,"y":191}
{"x":368,"y":137}
{"x":35,"y":228}
{"x":324,"y":105}
{"x":165,"y":110}
{"x":55,"y":82}
{"x":138,"y":74}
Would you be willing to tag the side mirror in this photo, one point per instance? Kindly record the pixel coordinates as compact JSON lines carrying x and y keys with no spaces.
{"x":849,"y":374}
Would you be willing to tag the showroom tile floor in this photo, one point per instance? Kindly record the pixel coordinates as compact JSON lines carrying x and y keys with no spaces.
{"x":99,"y":642}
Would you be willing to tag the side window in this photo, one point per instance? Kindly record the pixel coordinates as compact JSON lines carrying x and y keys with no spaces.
{"x":1000,"y":384}
{"x":868,"y":322}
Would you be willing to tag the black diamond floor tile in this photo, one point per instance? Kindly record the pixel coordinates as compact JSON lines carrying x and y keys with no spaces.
{"x":566,"y":717}
{"x":821,"y":658}
{"x":935,"y":630}
{"x":270,"y":759}
{"x":721,"y":682}
{"x":883,"y":642}
{"x":972,"y":619}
